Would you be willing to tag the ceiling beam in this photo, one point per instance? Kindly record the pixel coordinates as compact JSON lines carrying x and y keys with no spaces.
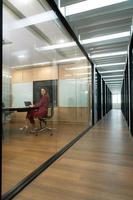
{"x":33,"y":29}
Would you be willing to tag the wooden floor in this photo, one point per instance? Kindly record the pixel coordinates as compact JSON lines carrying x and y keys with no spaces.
{"x":23,"y":152}
{"x":98,"y":167}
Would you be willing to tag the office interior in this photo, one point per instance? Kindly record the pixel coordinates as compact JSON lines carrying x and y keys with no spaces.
{"x":84,"y":81}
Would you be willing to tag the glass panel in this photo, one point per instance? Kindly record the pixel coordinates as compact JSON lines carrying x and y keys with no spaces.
{"x":34,"y":58}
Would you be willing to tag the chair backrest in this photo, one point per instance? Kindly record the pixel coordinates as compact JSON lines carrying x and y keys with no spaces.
{"x":50,"y":112}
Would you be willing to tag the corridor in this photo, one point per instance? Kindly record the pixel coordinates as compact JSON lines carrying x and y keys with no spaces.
{"x":98,"y":167}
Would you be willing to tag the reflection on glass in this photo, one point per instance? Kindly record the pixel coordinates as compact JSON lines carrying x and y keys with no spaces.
{"x":65,"y":73}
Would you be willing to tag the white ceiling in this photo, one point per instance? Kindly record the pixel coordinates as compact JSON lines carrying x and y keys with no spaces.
{"x":22,"y":42}
{"x":103,"y":21}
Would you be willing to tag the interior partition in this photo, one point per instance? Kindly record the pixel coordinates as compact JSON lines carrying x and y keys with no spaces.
{"x":35,"y":57}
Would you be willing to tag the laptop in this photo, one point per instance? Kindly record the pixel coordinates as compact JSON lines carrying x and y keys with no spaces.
{"x":27,"y":103}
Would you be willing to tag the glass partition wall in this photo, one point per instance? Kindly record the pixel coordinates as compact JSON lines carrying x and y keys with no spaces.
{"x":35,"y":57}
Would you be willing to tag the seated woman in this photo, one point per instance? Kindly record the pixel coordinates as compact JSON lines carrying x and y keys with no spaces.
{"x":42,"y":109}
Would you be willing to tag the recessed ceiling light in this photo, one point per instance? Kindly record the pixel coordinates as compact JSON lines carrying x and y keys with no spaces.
{"x":70,"y":59}
{"x":112,"y":76}
{"x":86,"y":6}
{"x":25,"y":1}
{"x":75,"y":59}
{"x":21,"y":56}
{"x":87,"y":41}
{"x":106,"y":37}
{"x":110,"y":64}
{"x":111,"y":71}
{"x":112,"y":79}
{"x":62,"y":41}
{"x":56,"y":46}
{"x":109,"y":54}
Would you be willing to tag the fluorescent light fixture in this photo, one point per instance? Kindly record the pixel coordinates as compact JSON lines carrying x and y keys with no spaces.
{"x":112,"y":76}
{"x":114,"y":79}
{"x":114,"y":84}
{"x":106,"y":37}
{"x":87,"y":41}
{"x":110,"y":64}
{"x":42,"y":63}
{"x":26,"y":1}
{"x":86,"y":6}
{"x":21,"y":56}
{"x":31,"y":65}
{"x":70,"y":59}
{"x":62,"y":41}
{"x":57,"y":61}
{"x":111,"y":71}
{"x":109,"y":54}
{"x":76,"y":68}
{"x":56,"y":46}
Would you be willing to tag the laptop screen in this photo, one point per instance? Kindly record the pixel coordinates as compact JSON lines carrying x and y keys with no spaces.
{"x":27,"y":103}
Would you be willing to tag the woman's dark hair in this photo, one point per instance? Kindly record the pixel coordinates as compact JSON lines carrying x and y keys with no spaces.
{"x":46,"y":91}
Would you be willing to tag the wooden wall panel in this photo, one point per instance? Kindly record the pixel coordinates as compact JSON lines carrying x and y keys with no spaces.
{"x":35,"y":74}
{"x":16,"y":76}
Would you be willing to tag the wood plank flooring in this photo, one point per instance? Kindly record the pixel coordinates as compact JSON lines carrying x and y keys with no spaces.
{"x":24,"y":152}
{"x":98,"y":167}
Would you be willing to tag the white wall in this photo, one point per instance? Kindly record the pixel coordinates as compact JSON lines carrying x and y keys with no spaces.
{"x":22,"y":92}
{"x":116,"y":99}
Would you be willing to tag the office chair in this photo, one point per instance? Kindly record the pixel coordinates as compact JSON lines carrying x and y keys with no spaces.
{"x":43,"y":122}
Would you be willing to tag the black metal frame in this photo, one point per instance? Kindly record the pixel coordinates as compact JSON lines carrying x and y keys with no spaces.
{"x":108,"y":99}
{"x":54,"y":7}
{"x":93,"y":89}
{"x":104,"y":102}
{"x":1,"y":17}
{"x":131,"y":83}
{"x":98,"y":96}
{"x":126,"y":95}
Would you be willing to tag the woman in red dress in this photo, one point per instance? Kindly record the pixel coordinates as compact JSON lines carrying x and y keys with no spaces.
{"x":42,"y":109}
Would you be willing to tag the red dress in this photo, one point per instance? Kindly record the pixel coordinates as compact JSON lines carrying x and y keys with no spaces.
{"x":41,"y":111}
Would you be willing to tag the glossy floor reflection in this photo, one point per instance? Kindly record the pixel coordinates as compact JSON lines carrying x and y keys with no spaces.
{"x":23,"y":152}
{"x":97,"y":167}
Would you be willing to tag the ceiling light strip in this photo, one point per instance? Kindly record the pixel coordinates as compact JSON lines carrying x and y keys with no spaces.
{"x":111,"y":71}
{"x":111,"y":64}
{"x":112,"y":76}
{"x":109,"y":54}
{"x":86,"y":6}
